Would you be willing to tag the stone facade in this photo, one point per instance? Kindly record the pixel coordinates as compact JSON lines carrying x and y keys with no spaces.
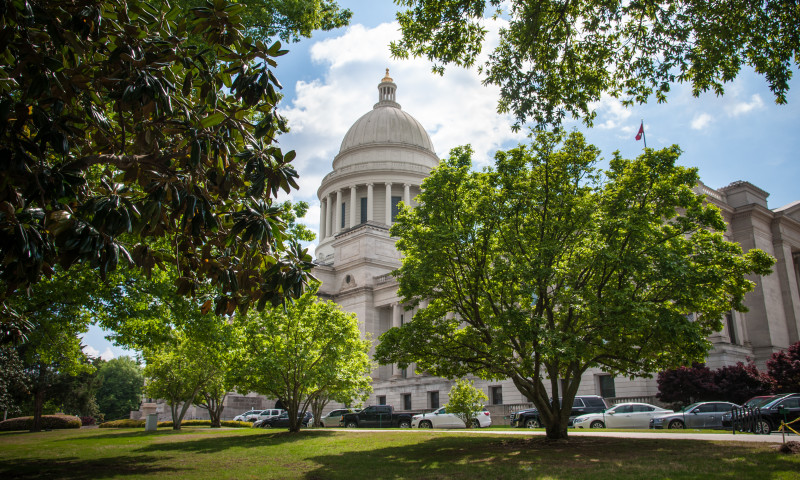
{"x":384,"y":158}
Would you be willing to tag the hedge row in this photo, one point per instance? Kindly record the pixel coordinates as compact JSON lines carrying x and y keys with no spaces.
{"x":49,"y":422}
{"x":185,"y":423}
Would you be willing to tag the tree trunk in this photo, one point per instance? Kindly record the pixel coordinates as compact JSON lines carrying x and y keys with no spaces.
{"x":556,"y":432}
{"x":38,"y":404}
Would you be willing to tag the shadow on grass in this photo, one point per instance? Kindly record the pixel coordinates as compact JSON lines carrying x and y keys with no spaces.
{"x":597,"y":458}
{"x":77,"y":469}
{"x":215,"y":444}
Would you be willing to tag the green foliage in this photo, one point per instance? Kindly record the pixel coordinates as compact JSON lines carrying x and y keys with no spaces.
{"x":13,"y":381}
{"x":124,"y":423}
{"x":552,"y":267}
{"x":556,"y":58}
{"x":290,"y":20}
{"x":115,"y":131}
{"x":465,"y":401}
{"x":49,"y":422}
{"x":121,"y":388}
{"x":312,"y":348}
{"x":127,"y":423}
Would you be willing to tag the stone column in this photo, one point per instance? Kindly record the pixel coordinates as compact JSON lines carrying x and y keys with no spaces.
{"x":370,"y":203}
{"x":407,"y":194}
{"x":396,"y":309}
{"x":331,"y":213}
{"x":322,"y":218}
{"x":338,"y":225}
{"x":389,"y":204}
{"x":353,"y":208}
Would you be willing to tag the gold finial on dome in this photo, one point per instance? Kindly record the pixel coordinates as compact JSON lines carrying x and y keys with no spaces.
{"x":387,"y":78}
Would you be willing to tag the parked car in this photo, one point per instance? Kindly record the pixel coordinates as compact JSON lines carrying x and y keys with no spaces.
{"x":582,"y":404}
{"x":755,"y":402}
{"x":267,"y":414}
{"x":379,"y":416}
{"x":282,"y":420}
{"x":334,"y":417}
{"x":439,"y":418}
{"x":696,"y":415}
{"x":243,"y":417}
{"x":783,"y":408}
{"x":623,"y":415}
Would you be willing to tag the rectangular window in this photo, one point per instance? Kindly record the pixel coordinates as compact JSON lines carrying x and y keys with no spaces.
{"x":406,"y":401}
{"x":381,"y":399}
{"x":344,"y":212}
{"x":433,"y":400}
{"x":496,"y":395}
{"x":606,"y":384}
{"x":395,"y":208}
{"x":731,"y":327}
{"x":401,"y":320}
{"x":364,"y":210}
{"x":404,"y":373}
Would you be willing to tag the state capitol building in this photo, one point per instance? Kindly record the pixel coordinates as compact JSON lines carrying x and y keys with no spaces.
{"x":384,"y":158}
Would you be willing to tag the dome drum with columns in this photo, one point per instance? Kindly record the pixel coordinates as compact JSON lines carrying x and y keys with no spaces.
{"x":382,"y":160}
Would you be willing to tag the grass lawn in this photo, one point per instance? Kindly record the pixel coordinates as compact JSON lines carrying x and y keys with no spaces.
{"x":200,"y":452}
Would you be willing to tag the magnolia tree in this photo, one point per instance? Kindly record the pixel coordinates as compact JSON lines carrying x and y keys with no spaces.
{"x":466,"y":402}
{"x":553,"y":267}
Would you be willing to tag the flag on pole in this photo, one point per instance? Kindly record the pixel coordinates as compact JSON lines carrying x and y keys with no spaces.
{"x":641,"y":131}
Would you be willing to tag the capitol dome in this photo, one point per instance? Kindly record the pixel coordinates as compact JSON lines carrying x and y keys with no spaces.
{"x":386,"y":124}
{"x":382,"y":161}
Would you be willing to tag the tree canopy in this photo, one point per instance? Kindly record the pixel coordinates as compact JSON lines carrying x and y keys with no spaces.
{"x":121,"y":388}
{"x":556,"y":57}
{"x":114,"y":129}
{"x":551,"y":267}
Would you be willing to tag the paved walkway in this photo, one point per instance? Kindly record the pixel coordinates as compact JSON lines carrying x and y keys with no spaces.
{"x":667,"y":435}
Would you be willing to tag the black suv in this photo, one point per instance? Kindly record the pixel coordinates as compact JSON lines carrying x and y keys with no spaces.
{"x":784,"y":408}
{"x":581,"y":405}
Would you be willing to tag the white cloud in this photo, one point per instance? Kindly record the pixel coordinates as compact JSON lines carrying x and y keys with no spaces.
{"x":612,"y":115}
{"x":455,"y":109}
{"x":92,"y":352}
{"x":701,"y":121}
{"x":741,"y":108}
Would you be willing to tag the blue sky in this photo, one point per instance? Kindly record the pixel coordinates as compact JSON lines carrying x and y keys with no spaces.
{"x":331,"y":80}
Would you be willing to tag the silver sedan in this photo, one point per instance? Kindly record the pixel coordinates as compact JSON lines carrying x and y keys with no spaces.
{"x":696,"y":415}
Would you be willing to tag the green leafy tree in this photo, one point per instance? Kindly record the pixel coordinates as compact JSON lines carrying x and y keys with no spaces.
{"x":557,"y":57}
{"x":552,"y":267}
{"x":310,"y":349}
{"x":289,"y":20}
{"x":465,"y":401}
{"x":227,"y":343}
{"x":177,"y":372}
{"x":121,"y":388}
{"x":13,"y":381}
{"x":58,"y":309}
{"x":115,"y":129}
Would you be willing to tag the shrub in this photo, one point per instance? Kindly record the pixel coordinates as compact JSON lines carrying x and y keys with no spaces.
{"x":87,"y":421}
{"x":231,"y":423}
{"x":49,"y":422}
{"x":124,"y":423}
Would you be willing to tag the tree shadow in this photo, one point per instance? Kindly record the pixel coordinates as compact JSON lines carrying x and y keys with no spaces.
{"x":453,"y":457}
{"x":77,"y":469}
{"x":216,"y":444}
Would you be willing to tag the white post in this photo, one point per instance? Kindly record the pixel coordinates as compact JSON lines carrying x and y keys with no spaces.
{"x":322,"y":217}
{"x":407,"y":194}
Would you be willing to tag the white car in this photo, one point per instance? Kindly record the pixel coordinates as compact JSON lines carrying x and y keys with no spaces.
{"x":441,"y":419}
{"x":333,"y":417}
{"x":243,"y":417}
{"x":623,"y":415}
